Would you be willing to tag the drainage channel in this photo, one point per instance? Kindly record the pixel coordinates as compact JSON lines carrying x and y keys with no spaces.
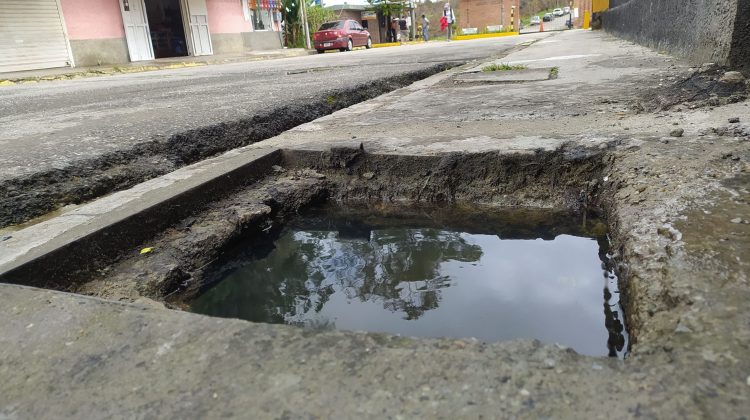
{"x":429,"y":271}
{"x":190,"y":251}
{"x":23,"y":199}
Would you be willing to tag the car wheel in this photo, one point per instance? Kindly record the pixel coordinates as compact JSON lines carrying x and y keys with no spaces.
{"x":369,"y":43}
{"x":321,"y":51}
{"x":349,"y":45}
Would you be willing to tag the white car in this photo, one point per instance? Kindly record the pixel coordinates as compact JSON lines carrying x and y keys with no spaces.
{"x":566,"y":10}
{"x":557,"y":12}
{"x":535,"y":20}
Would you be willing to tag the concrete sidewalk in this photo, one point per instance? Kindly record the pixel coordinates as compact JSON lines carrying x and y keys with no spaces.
{"x":677,"y":214}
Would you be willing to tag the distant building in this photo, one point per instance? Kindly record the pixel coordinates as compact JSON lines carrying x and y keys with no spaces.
{"x":57,"y":33}
{"x":367,"y":18}
{"x":480,"y":14}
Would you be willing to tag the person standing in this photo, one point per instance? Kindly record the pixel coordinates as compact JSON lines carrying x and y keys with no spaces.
{"x":425,"y":28}
{"x":395,"y":30}
{"x":449,"y":19}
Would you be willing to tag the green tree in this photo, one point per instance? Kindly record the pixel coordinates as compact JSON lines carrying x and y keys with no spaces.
{"x":316,"y":16}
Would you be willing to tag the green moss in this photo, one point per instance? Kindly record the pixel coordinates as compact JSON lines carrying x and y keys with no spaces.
{"x":503,"y":67}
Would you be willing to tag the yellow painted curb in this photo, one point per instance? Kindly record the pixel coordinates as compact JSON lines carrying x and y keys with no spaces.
{"x":386,"y":44}
{"x":479,"y":36}
{"x":6,"y":83}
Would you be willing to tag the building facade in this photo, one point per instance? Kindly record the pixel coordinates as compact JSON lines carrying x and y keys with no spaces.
{"x":367,"y":18}
{"x":36,"y":34}
{"x":495,"y":14}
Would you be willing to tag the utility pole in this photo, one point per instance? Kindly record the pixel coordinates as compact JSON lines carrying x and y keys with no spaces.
{"x":305,"y":28}
{"x":413,"y":16}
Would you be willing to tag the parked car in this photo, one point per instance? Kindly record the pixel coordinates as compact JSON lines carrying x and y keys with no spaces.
{"x":535,"y":20}
{"x":548,"y":17}
{"x":557,"y":12}
{"x":342,"y":35}
{"x":566,"y":10}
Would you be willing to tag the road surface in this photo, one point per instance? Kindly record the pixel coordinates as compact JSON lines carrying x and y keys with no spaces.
{"x":74,"y":131}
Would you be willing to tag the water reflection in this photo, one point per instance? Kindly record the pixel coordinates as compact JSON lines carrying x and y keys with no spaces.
{"x":387,"y":275}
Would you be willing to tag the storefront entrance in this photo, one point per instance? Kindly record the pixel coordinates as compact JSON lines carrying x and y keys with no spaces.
{"x":166,"y":28}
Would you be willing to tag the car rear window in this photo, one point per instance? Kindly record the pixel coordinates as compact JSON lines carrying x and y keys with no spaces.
{"x":331,"y":25}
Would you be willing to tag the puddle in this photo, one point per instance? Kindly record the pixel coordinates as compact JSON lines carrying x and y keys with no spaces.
{"x":493,"y":275}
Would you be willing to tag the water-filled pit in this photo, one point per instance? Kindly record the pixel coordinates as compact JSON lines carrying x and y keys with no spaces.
{"x":430,"y":272}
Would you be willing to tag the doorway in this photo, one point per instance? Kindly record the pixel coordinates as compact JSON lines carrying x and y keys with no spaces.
{"x":166,"y":28}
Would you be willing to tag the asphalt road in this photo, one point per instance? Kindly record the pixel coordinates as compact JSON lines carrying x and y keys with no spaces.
{"x":53,"y":125}
{"x":557,"y":24}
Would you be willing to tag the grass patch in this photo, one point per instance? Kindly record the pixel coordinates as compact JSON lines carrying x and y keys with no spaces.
{"x":554,"y":72}
{"x":503,"y":67}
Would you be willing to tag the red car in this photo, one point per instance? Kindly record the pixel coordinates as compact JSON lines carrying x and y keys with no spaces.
{"x":342,"y":35}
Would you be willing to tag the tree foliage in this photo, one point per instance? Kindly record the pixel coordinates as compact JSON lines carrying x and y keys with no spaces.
{"x":293,"y":31}
{"x":388,"y":7}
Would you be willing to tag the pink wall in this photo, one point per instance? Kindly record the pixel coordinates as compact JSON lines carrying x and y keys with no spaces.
{"x":225,"y":17}
{"x":93,"y":19}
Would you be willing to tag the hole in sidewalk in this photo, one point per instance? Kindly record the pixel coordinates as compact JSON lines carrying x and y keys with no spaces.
{"x":494,"y":274}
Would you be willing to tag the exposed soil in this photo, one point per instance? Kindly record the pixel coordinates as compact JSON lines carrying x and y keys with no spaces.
{"x":174,"y":268}
{"x":703,"y":87}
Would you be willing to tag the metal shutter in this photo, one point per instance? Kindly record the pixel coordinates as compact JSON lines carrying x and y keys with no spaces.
{"x":31,"y":35}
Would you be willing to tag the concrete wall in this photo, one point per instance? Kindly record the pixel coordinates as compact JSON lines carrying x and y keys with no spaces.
{"x":699,"y":30}
{"x":97,"y":36}
{"x":261,"y":40}
{"x":95,"y":31}
{"x":347,"y":14}
{"x":93,"y":19}
{"x":226,"y":17}
{"x":482,"y":13}
{"x":739,"y":54}
{"x":96,"y":52}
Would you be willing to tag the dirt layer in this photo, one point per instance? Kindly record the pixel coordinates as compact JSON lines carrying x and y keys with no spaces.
{"x":180,"y":255}
{"x":709,"y":85}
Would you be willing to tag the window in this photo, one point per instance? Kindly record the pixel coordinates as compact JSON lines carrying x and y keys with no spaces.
{"x":261,"y":19}
{"x":332,"y":25}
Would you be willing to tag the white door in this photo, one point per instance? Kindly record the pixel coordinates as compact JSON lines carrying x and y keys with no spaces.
{"x":136,"y":30}
{"x":32,"y":35}
{"x":197,"y":17}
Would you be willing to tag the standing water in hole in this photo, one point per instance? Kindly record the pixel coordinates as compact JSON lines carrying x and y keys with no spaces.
{"x":495,"y":275}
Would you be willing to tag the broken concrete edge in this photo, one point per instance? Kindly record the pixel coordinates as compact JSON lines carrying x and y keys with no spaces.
{"x":184,"y":257}
{"x":91,"y":178}
{"x":71,"y":249}
{"x":481,"y":36}
{"x":83,"y":237}
{"x":108,"y":350}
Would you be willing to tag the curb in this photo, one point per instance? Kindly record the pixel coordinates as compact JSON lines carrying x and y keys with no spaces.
{"x":480,"y":36}
{"x":386,"y":45}
{"x":77,"y":73}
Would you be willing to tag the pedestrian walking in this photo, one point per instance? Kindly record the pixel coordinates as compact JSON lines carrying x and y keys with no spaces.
{"x":449,"y":19}
{"x":395,"y":30}
{"x":425,"y":28}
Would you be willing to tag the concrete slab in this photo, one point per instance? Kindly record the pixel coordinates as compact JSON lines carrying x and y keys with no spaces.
{"x":150,"y":206}
{"x":504,"y":76}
